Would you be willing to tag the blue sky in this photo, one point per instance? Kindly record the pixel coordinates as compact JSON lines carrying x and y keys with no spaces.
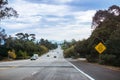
{"x":55,"y":19}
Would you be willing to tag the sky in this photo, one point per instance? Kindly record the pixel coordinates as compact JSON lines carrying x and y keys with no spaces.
{"x":56,"y":20}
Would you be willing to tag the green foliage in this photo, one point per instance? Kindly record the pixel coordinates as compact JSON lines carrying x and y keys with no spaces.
{"x":69,"y":49}
{"x":48,"y":44}
{"x":25,"y":46}
{"x":3,"y":51}
{"x":91,"y":58}
{"x":70,"y":52}
{"x":67,"y":44}
{"x":43,"y":49}
{"x":106,"y":25}
{"x":5,"y":12}
{"x":103,"y":15}
{"x":108,"y":59}
{"x":22,"y":55}
{"x":81,"y":48}
{"x":107,"y":32}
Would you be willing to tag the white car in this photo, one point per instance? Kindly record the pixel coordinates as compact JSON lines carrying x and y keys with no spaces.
{"x":33,"y":58}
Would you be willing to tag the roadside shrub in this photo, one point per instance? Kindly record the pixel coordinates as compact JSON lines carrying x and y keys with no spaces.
{"x":1,"y":57}
{"x":38,"y":53}
{"x":108,"y":59}
{"x":12,"y":54}
{"x":22,"y":55}
{"x":69,"y":52}
{"x":43,"y":49}
{"x":91,"y":58}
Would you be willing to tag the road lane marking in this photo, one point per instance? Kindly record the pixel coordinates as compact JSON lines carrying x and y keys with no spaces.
{"x":7,"y":67}
{"x":34,"y":73}
{"x":82,"y":72}
{"x":3,"y":68}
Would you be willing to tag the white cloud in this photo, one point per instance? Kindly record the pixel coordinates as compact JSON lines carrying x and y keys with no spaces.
{"x":25,"y":8}
{"x":32,"y":15}
{"x":52,"y":19}
{"x":56,"y":19}
{"x":61,"y":33}
{"x":16,"y":26}
{"x":84,"y":16}
{"x":63,"y":1}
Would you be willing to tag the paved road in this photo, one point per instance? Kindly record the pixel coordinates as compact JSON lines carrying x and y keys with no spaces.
{"x":97,"y":72}
{"x":45,"y":68}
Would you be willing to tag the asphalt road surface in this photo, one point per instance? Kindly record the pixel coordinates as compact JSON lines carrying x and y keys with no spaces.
{"x":51,"y":66}
{"x":96,"y":71}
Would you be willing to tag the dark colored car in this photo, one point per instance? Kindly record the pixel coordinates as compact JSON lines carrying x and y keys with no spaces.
{"x":48,"y":55}
{"x":55,"y":56}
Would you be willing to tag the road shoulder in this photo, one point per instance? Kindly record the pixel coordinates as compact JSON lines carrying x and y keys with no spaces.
{"x":98,"y":72}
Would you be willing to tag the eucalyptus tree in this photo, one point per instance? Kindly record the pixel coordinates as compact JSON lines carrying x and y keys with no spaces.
{"x":6,"y":12}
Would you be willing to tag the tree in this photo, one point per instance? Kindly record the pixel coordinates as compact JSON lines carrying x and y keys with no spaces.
{"x":115,"y":10}
{"x":47,"y":44}
{"x":69,"y":52}
{"x":102,"y":15}
{"x":107,"y":31}
{"x":66,"y":44}
{"x":6,"y":12}
{"x":32,"y":37}
{"x":43,"y":49}
{"x":81,"y":48}
{"x":113,"y":45}
{"x":106,"y":25}
{"x":20,"y":36}
{"x":26,"y":36}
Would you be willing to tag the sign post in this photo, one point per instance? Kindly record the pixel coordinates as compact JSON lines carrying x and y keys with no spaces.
{"x":100,"y":48}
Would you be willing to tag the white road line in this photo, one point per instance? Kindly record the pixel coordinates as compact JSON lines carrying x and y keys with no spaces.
{"x":34,"y":72}
{"x":82,"y":72}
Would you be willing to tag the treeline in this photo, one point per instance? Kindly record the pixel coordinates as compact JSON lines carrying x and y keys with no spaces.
{"x":23,"y":46}
{"x":106,"y":29}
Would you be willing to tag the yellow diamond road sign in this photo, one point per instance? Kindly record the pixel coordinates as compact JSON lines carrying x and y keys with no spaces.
{"x":100,"y":47}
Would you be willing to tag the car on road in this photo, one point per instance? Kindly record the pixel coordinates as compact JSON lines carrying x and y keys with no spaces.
{"x":55,"y":56}
{"x":33,"y":58}
{"x":48,"y":55}
{"x":36,"y":55}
